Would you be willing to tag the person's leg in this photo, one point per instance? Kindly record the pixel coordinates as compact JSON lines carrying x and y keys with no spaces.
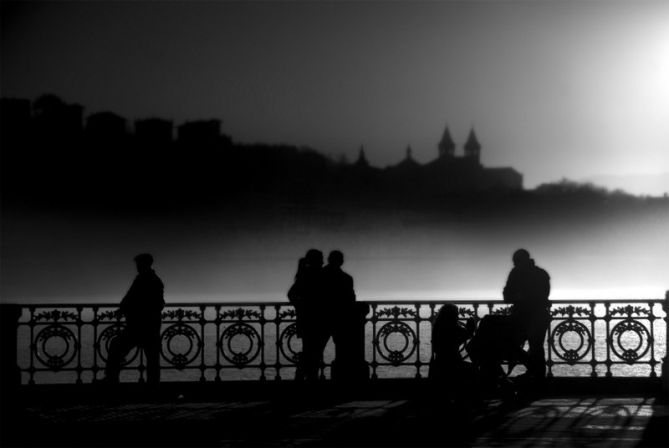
{"x":320,"y":338}
{"x":310,"y":357}
{"x":299,"y":365}
{"x":536,"y":331}
{"x":152,"y":351}
{"x":118,"y":348}
{"x":343,"y":365}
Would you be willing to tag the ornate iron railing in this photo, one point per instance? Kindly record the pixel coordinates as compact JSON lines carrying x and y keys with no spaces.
{"x":215,"y":341}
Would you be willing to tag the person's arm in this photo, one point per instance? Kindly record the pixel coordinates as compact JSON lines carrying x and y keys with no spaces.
{"x":470,"y":326}
{"x":510,"y":291}
{"x":294,"y":293}
{"x":350,"y":289}
{"x":160,"y":295}
{"x":128,"y":298}
{"x":548,"y":285}
{"x":461,"y":334}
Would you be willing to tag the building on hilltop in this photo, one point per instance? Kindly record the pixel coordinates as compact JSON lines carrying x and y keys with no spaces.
{"x":362,"y":161}
{"x":15,"y":116}
{"x":473,"y":148}
{"x":408,"y":168}
{"x":446,"y":145}
{"x":54,"y":119}
{"x":153,"y":131}
{"x":106,"y":127}
{"x":202,"y":132}
{"x":450,"y":172}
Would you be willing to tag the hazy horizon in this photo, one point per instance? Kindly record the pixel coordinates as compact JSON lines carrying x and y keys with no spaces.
{"x":615,"y":253}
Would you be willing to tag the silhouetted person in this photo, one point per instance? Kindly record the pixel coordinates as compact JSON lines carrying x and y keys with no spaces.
{"x":447,"y":366}
{"x":294,"y":297}
{"x":346,"y":321}
{"x":142,"y":307}
{"x":527,"y":288}
{"x":294,"y":294}
{"x":306,"y":295}
{"x":448,"y":334}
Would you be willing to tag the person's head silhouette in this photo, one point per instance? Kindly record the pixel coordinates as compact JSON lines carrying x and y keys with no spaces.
{"x":314,"y":258}
{"x":336,"y":258}
{"x":144,"y":262}
{"x":521,"y":258}
{"x":448,"y":315}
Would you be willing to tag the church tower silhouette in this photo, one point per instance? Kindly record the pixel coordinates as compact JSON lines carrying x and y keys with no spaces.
{"x":473,"y":148}
{"x":446,"y":145}
{"x":362,"y":159}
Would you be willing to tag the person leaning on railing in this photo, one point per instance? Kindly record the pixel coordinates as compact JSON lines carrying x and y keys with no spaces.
{"x":346,"y":319}
{"x":306,"y":295}
{"x":142,"y":307}
{"x":527,"y":289}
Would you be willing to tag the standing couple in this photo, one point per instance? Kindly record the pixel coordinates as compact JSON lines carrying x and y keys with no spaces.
{"x":324,"y":301}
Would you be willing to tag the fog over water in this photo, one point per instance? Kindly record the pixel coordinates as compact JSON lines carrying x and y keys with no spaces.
{"x":598,"y":252}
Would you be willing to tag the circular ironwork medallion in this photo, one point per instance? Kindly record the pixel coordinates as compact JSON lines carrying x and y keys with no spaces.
{"x":571,"y":340}
{"x":55,"y":346}
{"x":240,"y":344}
{"x":180,"y":345}
{"x":630,"y":340}
{"x":287,"y":342}
{"x":386,"y":342}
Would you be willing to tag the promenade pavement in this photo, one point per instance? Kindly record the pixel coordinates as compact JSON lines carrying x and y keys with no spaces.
{"x":331,"y":419}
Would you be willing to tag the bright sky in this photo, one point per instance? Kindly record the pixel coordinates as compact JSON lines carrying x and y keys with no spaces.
{"x":553,"y":88}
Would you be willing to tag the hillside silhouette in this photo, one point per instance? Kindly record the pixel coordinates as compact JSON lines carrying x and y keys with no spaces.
{"x":55,"y":156}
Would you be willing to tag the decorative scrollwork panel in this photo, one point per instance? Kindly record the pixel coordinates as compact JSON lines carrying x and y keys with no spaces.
{"x":240,"y":344}
{"x":395,"y":342}
{"x":181,"y":345}
{"x":55,"y":346}
{"x":289,"y":346}
{"x":630,"y":340}
{"x":571,"y":340}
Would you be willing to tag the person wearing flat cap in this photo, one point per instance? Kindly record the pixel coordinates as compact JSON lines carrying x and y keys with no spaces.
{"x":142,"y":307}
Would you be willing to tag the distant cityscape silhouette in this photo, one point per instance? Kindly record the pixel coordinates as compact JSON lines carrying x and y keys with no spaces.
{"x":50,"y":155}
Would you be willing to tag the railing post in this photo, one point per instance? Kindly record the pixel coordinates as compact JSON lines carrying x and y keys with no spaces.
{"x":10,"y":374}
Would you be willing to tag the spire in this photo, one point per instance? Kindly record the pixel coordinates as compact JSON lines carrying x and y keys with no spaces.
{"x":472,"y":146}
{"x":409,"y":153}
{"x":471,"y":139}
{"x":362,"y":159}
{"x":447,"y":145}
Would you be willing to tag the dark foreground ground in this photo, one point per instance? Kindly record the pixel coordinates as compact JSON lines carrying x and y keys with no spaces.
{"x":389,"y":413}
